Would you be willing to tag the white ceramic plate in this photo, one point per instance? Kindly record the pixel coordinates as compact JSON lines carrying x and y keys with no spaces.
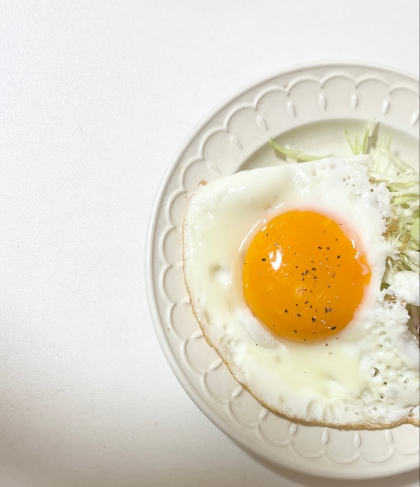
{"x":306,"y":107}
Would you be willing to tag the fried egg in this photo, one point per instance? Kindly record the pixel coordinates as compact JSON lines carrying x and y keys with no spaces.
{"x":283,"y":266}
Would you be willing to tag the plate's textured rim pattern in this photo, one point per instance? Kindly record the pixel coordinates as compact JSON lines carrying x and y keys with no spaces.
{"x":316,"y":451}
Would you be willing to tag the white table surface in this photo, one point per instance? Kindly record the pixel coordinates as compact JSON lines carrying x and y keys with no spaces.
{"x":95,"y":100}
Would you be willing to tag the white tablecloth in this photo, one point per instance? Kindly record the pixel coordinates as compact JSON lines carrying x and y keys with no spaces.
{"x":95,"y":100}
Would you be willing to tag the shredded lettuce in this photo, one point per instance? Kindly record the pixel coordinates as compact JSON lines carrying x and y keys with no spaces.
{"x":357,"y":146}
{"x":415,"y":229}
{"x":402,"y":182}
{"x":294,"y":154}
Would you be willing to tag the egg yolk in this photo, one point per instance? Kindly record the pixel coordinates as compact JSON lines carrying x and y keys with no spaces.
{"x":303,"y":277}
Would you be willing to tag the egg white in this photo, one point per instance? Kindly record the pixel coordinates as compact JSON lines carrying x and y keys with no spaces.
{"x":367,"y":375}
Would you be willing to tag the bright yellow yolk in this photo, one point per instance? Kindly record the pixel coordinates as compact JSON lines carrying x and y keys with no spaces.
{"x":303,"y":277}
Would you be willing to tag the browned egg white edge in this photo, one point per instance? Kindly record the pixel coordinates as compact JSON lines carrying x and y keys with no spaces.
{"x":410,"y":419}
